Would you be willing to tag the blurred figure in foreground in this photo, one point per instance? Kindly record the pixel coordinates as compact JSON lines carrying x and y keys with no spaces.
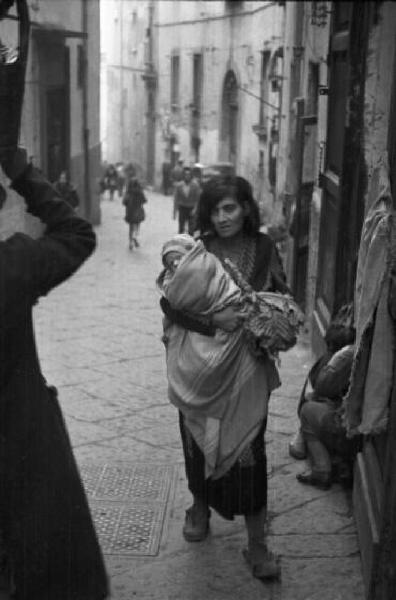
{"x":67,"y":191}
{"x":133,"y":201}
{"x":45,"y":521}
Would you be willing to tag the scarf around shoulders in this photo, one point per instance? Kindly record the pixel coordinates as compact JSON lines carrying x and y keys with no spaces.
{"x":219,"y":386}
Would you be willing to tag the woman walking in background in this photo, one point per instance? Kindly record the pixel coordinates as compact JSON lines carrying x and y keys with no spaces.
{"x":133,"y":201}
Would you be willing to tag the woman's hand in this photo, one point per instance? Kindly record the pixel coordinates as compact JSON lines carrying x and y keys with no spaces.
{"x":228,"y":319}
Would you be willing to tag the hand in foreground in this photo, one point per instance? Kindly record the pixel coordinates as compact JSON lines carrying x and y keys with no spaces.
{"x":228,"y":319}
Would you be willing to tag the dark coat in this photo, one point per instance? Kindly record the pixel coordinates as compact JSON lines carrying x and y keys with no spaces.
{"x":133,"y":201}
{"x":44,"y":515}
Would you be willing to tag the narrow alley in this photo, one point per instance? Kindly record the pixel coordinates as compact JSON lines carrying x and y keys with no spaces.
{"x":99,"y":340}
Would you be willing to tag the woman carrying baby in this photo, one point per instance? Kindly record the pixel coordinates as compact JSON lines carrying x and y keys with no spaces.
{"x":224,"y":450}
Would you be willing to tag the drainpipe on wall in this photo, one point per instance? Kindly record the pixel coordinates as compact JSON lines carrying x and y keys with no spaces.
{"x":85,"y":129}
{"x":150,"y":79}
{"x":121,"y":152}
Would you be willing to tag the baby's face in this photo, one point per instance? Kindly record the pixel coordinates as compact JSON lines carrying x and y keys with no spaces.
{"x":172,"y":260}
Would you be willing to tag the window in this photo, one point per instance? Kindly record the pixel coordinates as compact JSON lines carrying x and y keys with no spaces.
{"x":197,"y":83}
{"x":175,"y":82}
{"x":80,"y":66}
{"x":311,"y":107}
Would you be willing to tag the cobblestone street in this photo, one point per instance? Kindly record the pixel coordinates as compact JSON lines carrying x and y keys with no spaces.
{"x":99,"y":340}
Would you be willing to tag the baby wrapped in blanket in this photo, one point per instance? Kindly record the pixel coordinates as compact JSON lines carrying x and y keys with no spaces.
{"x":219,"y":385}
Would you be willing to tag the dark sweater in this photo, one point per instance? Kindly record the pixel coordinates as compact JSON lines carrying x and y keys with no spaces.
{"x":45,"y":520}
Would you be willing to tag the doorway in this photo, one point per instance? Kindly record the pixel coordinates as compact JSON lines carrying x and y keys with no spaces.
{"x":343,"y":178}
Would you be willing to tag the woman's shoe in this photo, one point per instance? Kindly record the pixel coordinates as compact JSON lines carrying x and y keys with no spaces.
{"x":263,"y":563}
{"x":297,"y":448}
{"x":196,"y":525}
{"x":319,"y":480}
{"x":136,"y":243}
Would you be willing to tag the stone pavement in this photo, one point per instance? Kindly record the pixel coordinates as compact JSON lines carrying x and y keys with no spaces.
{"x":99,"y":343}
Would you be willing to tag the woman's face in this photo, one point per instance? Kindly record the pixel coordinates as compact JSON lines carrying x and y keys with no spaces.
{"x":228,"y":217}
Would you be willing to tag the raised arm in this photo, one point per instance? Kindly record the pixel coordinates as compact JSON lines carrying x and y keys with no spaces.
{"x":31,"y":267}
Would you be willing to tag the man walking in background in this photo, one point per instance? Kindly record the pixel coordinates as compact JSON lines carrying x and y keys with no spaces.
{"x":185,"y":201}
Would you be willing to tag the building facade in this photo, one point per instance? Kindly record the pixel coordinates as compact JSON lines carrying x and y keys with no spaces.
{"x":60,"y":124}
{"x":194,"y":80}
{"x":337,"y":158}
{"x":218,"y":99}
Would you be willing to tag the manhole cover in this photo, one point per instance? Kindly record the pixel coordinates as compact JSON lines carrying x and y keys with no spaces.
{"x":128,"y":505}
{"x":127,"y":482}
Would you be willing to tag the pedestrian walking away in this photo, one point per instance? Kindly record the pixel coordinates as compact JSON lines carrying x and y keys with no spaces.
{"x":223,"y":440}
{"x":186,"y":198}
{"x":66,"y":190}
{"x":133,"y":201}
{"x":45,"y":522}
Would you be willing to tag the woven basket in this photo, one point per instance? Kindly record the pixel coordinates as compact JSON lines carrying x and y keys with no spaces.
{"x":12,"y":85}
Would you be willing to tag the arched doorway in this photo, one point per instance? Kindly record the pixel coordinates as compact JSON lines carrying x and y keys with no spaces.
{"x":229,"y":119}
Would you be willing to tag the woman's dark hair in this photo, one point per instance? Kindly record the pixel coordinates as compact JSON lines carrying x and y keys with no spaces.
{"x":217,"y":189}
{"x":338,"y":336}
{"x":341,"y":331}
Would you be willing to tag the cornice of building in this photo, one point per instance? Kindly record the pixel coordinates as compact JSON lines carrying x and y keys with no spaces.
{"x":229,"y":15}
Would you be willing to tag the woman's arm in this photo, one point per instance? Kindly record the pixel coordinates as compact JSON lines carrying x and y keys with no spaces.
{"x":186,"y":321}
